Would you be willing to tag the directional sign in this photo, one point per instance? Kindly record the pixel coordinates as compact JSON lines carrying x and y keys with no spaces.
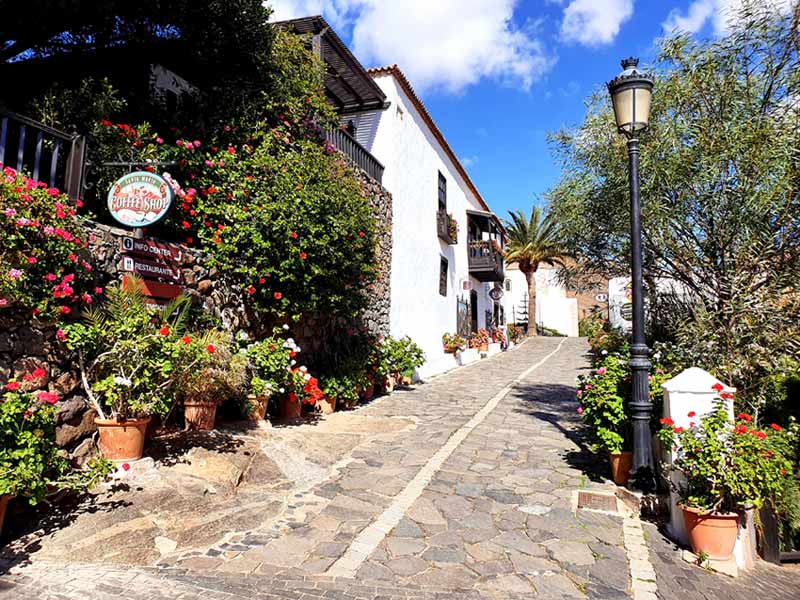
{"x":150,"y":269}
{"x":155,"y":289}
{"x":151,"y":248}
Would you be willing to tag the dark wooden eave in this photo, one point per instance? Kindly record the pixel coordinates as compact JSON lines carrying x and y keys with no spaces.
{"x":348,"y":86}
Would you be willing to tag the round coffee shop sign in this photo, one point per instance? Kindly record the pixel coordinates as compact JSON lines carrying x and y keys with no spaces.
{"x":139,"y":199}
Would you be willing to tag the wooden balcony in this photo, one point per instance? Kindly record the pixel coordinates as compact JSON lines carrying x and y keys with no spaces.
{"x":485,"y":261}
{"x":347,"y":145}
{"x":443,"y":221}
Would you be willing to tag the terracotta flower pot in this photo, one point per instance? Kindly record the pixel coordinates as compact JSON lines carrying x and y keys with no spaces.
{"x":713,"y":534}
{"x":289,"y":410}
{"x":259,"y":407}
{"x":327,"y":405}
{"x":368,"y":392}
{"x":4,"y":500}
{"x":388,"y":384}
{"x":621,"y":463}
{"x":122,"y":440}
{"x":450,"y":349}
{"x":200,"y":416}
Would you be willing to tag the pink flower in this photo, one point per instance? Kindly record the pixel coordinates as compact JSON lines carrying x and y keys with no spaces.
{"x":60,"y":335}
{"x":579,"y":393}
{"x":209,"y":163}
{"x":65,"y":310}
{"x":196,"y":143}
{"x":179,"y":142}
{"x":53,"y":191}
{"x":48,"y":397}
{"x":98,"y":290}
{"x":10,"y":212}
{"x":159,"y":140}
{"x":3,"y":301}
{"x":32,"y":260}
{"x":580,"y":410}
{"x":50,"y":277}
{"x":602,"y":371}
{"x":14,"y":273}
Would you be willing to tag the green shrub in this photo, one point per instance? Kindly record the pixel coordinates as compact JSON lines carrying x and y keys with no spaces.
{"x":591,"y":326}
{"x":401,"y":356}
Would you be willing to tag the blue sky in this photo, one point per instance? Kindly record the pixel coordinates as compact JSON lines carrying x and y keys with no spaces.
{"x":498,"y":75}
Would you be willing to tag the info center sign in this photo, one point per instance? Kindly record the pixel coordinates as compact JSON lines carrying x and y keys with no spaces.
{"x":139,"y":199}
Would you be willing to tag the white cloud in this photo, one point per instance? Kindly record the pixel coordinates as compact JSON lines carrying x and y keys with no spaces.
{"x":595,"y":22}
{"x":719,"y":13}
{"x":470,"y":161}
{"x":440,"y":44}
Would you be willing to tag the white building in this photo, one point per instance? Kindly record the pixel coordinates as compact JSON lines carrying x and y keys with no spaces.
{"x":554,"y":309}
{"x":432,"y":275}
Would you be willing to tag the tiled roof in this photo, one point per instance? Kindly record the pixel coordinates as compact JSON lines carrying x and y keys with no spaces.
{"x":409,"y":90}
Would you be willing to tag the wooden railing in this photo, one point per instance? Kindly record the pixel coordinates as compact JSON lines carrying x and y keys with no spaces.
{"x":485,"y":261}
{"x":347,"y":145}
{"x":47,"y":154}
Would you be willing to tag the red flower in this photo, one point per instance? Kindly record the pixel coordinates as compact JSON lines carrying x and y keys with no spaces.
{"x":65,"y":310}
{"x":740,"y":429}
{"x":303,"y":255}
{"x":292,"y":354}
{"x":361,"y":234}
{"x":251,"y":290}
{"x":186,"y":339}
{"x":47,"y":397}
{"x":760,"y":435}
{"x":726,"y":396}
{"x":211,"y":349}
{"x":691,"y":413}
{"x":126,"y":467}
{"x":784,"y":472}
{"x":38,"y":373}
{"x":186,"y":224}
{"x":12,"y":386}
{"x":293,"y":235}
{"x":667,"y":422}
{"x":718,"y":387}
{"x":776,"y":427}
{"x":278,"y":295}
{"x":60,"y":335}
{"x":678,"y":429}
{"x":745,"y":417}
{"x":292,"y":397}
{"x":261,"y":280}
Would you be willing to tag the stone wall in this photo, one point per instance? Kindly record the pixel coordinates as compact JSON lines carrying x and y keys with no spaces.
{"x":26,"y":345}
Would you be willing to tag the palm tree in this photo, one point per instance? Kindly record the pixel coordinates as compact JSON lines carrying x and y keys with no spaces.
{"x":529,"y":244}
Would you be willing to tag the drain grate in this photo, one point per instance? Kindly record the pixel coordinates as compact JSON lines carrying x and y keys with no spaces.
{"x":597,"y":501}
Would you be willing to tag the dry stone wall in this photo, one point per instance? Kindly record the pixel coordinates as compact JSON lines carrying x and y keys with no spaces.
{"x":26,"y":344}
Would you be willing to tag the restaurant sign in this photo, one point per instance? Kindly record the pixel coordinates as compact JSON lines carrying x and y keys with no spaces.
{"x":139,"y":199}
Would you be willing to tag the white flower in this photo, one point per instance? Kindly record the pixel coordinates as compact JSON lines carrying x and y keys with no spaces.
{"x":281,"y":390}
{"x":285,"y":327}
{"x":297,"y":349}
{"x":304,"y":368}
{"x":122,"y":381}
{"x":307,"y":376}
{"x":293,"y":362}
{"x":657,"y":356}
{"x":604,"y":352}
{"x":269,"y":386}
{"x":290,"y":341}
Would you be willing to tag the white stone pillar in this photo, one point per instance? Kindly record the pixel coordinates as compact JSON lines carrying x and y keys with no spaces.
{"x":691,"y":391}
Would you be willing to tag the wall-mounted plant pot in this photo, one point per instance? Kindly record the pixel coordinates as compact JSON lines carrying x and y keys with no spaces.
{"x":621,"y":463}
{"x":713,"y":534}
{"x":122,"y":440}
{"x":4,"y":500}
{"x":200,"y":416}
{"x":258,"y":407}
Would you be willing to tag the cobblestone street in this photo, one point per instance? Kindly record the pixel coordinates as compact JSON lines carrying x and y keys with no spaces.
{"x":476,"y":501}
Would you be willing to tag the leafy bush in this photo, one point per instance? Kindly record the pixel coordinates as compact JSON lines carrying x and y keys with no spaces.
{"x":515,"y":332}
{"x":271,"y":363}
{"x":604,"y":396}
{"x":205,"y":368}
{"x":30,"y":463}
{"x":728,"y":466}
{"x":401,"y":357}
{"x":342,"y":388}
{"x":591,"y":326}
{"x":44,"y":266}
{"x":498,"y":335}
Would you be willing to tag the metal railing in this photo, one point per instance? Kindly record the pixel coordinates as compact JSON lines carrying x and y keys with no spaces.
{"x":347,"y":145}
{"x":55,"y":157}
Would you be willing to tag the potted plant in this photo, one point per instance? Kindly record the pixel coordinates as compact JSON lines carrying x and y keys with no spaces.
{"x":270,"y":366}
{"x":453,"y":342}
{"x":126,"y":352}
{"x":727,"y":466}
{"x":207,"y":375}
{"x":339,"y":390}
{"x":480,"y":340}
{"x":400,"y":358}
{"x":452,"y":228}
{"x":301,"y":389}
{"x":499,"y":336}
{"x":31,"y":465}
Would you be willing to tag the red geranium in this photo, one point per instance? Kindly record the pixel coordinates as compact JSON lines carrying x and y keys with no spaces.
{"x":12,"y":386}
{"x":211,"y":349}
{"x":164,"y":330}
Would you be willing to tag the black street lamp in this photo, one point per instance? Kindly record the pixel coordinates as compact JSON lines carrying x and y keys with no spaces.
{"x":630,"y":93}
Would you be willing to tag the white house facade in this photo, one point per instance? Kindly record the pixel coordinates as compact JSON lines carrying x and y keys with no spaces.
{"x":554,"y":310}
{"x":433,"y":275}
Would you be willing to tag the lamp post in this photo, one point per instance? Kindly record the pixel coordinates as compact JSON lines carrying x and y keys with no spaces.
{"x":630,"y":93}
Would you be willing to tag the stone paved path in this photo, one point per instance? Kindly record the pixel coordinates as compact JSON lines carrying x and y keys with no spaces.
{"x":476,"y":501}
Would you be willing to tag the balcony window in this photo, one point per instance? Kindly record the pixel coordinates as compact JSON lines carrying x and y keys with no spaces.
{"x":442,"y":192}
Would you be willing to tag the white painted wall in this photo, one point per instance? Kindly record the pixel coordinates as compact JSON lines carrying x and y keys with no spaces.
{"x":400,"y":139}
{"x":553,"y":308}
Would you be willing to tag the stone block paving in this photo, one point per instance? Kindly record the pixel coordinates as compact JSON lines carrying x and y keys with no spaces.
{"x":679,"y":580}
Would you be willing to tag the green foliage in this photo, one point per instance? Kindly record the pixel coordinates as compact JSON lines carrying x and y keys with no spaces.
{"x":30,"y":463}
{"x":401,"y":356}
{"x":729,"y":466}
{"x":591,"y":326}
{"x":534,"y":241}
{"x":515,"y":332}
{"x":128,"y":352}
{"x":205,"y":368}
{"x":78,"y":108}
{"x":604,"y":395}
{"x":719,"y":179}
{"x":341,"y":387}
{"x":271,"y":360}
{"x":44,"y":266}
